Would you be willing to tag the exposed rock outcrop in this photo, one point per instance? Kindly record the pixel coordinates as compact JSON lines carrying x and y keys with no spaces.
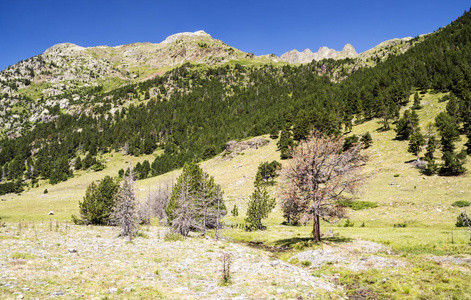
{"x":294,"y":56}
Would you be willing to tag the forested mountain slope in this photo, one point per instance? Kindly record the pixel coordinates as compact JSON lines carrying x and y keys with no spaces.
{"x":192,"y":111}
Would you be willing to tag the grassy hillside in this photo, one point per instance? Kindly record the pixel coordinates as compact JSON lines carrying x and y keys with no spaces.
{"x":403,"y":195}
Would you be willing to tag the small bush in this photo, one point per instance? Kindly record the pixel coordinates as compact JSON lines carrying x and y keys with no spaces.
{"x":463,"y":220}
{"x":348,"y":223}
{"x":45,"y":191}
{"x":397,"y":175}
{"x":400,"y":225}
{"x":226,"y":268}
{"x":461,"y":203}
{"x":173,"y":237}
{"x":444,"y":98}
{"x":306,"y":263}
{"x":357,"y":205}
{"x":142,"y":235}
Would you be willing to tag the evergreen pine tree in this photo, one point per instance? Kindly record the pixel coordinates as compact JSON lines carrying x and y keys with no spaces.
{"x":416,"y":142}
{"x":78,"y":163}
{"x":416,"y":104}
{"x":274,"y":132}
{"x":367,"y":140}
{"x":285,"y":143}
{"x":301,"y":126}
{"x":195,"y":200}
{"x":453,"y":164}
{"x":98,"y":202}
{"x":260,"y":205}
{"x":453,"y":108}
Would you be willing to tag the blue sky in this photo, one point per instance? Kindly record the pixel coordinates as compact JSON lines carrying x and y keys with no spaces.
{"x":29,"y":27}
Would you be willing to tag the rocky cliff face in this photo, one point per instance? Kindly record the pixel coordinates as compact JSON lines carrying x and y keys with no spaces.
{"x":294,"y":56}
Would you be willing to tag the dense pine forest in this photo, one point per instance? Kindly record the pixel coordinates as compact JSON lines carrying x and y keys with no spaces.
{"x":192,"y":111}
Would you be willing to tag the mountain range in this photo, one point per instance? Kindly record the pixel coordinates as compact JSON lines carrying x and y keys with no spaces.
{"x":32,"y":85}
{"x":190,"y":94}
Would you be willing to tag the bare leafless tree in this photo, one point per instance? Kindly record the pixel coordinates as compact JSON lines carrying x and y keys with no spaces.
{"x":126,"y":148}
{"x":221,"y":208}
{"x":186,"y":210}
{"x":125,"y":212}
{"x":154,"y":205}
{"x":205,"y":200}
{"x":320,"y":174}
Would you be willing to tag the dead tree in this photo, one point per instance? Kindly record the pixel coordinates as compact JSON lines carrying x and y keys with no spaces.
{"x":125,"y":213}
{"x":154,"y":205}
{"x":185,"y":212}
{"x":318,"y":176}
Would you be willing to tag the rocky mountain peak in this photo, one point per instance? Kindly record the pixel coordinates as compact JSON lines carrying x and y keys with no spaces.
{"x":349,"y":51}
{"x":174,"y":37}
{"x":64,"y":49}
{"x":306,"y":51}
{"x":294,"y":56}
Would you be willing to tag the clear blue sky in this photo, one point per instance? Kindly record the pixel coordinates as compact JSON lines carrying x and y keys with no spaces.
{"x":29,"y":27}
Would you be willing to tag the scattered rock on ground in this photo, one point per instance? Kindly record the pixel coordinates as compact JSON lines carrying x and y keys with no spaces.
{"x":356,"y":256}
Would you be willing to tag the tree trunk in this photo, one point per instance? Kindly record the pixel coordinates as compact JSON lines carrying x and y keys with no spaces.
{"x":316,"y":231}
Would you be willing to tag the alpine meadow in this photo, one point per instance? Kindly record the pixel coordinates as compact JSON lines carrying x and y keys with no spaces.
{"x":190,"y":169}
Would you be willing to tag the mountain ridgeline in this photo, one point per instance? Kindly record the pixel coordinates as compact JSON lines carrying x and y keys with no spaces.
{"x":192,"y":110}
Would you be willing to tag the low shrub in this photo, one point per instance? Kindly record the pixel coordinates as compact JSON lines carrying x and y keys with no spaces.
{"x":306,"y":263}
{"x":463,"y":220}
{"x":357,"y":205}
{"x":348,"y":223}
{"x":173,"y":237}
{"x":461,"y":203}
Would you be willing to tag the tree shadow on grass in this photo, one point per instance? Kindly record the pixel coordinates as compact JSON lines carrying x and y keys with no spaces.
{"x":303,"y":242}
{"x":337,"y":239}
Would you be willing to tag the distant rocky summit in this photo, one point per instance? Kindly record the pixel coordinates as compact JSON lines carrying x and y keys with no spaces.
{"x":172,"y":38}
{"x":294,"y":56}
